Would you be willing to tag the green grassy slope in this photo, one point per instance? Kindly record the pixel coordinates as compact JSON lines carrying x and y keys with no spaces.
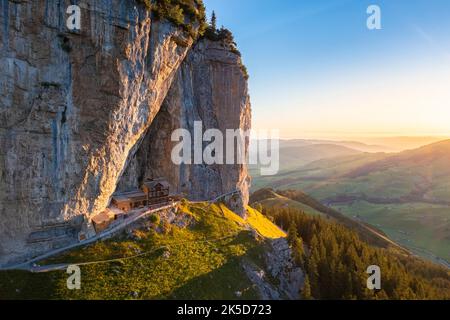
{"x":268,"y":198}
{"x":202,"y":261}
{"x":416,"y":175}
{"x":423,"y":228}
{"x":283,"y":202}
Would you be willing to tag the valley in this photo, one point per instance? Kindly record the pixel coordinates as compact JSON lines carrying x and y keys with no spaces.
{"x":405,"y":194}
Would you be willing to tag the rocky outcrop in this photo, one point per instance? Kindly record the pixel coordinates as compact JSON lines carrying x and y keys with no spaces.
{"x":280,"y":278}
{"x":72,"y":107}
{"x":75,"y":106}
{"x":282,"y":267}
{"x":211,"y":88}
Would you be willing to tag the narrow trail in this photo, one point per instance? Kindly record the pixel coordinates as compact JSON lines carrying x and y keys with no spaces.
{"x":63,"y":266}
{"x":29,"y":265}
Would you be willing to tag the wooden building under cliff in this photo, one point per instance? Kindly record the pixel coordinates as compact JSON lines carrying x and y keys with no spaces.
{"x":128,"y":201}
{"x":153,"y":192}
{"x":157,"y":191}
{"x":103,"y":220}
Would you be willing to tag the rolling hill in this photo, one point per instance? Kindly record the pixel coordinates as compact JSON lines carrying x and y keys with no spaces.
{"x":293,"y":156}
{"x":428,"y":166}
{"x":402,"y":143}
{"x":406,"y":194}
{"x":421,"y":174}
{"x":269,"y":198}
{"x":355,"y":145}
{"x":298,"y":152}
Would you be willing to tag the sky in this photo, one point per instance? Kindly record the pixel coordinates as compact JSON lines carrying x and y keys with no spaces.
{"x":317,"y":71}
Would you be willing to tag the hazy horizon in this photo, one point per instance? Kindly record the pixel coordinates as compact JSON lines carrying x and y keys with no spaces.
{"x":367,"y":137}
{"x":389,"y":143}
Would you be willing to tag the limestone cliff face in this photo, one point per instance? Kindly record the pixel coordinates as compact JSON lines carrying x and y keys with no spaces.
{"x":75,"y":107}
{"x":72,"y":106}
{"x":210,"y":87}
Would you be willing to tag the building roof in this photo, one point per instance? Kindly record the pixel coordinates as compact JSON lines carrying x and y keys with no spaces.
{"x":153,"y":183}
{"x":116,"y":210}
{"x":103,"y":217}
{"x":129,"y":196}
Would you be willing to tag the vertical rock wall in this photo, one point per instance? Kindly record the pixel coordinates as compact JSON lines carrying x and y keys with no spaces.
{"x":77,"y":114}
{"x":73,"y":105}
{"x":210,"y":87}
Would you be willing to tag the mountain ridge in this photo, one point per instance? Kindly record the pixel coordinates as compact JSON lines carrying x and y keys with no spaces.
{"x":369,"y":233}
{"x":404,"y":194}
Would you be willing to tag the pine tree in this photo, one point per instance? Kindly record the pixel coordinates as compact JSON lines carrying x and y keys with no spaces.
{"x":296,"y":243}
{"x":306,"y":291}
{"x":299,"y":252}
{"x":214,"y":21}
{"x":258,"y":207}
{"x":337,"y":260}
{"x":312,"y":268}
{"x":292,"y":234}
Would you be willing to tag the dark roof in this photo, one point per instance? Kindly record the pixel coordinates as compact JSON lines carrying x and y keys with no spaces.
{"x":153,"y":183}
{"x":129,"y":196}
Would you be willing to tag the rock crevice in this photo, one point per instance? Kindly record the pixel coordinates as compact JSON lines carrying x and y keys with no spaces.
{"x":210,"y":88}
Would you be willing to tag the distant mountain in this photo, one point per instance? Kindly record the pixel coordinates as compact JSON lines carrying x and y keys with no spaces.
{"x":371,"y":144}
{"x":295,"y":156}
{"x":358,"y":146}
{"x":421,"y":174}
{"x":427,"y":168}
{"x":296,"y":153}
{"x":305,"y":177}
{"x":402,"y":143}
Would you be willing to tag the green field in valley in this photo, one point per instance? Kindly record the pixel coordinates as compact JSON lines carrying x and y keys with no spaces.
{"x":406,"y":194}
{"x":421,"y":227}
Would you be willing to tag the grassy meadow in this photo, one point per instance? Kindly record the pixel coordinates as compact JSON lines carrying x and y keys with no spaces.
{"x":201,"y":261}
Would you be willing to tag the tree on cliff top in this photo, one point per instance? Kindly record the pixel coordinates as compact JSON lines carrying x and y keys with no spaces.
{"x":187,"y":14}
{"x":213,"y":21}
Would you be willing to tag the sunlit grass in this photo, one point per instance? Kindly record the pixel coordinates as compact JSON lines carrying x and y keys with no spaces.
{"x":202,"y":261}
{"x":263,"y":225}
